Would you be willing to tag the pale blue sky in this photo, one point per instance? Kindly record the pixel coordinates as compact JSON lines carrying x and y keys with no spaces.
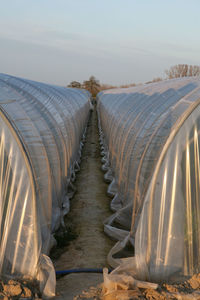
{"x":118,"y":41}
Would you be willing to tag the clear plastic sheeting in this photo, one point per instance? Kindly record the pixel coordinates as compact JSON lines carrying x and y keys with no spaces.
{"x":150,"y":139}
{"x":40,"y":146}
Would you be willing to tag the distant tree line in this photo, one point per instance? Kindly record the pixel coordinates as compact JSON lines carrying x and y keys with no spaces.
{"x":93,"y":85}
{"x":182,"y":71}
{"x":178,"y":71}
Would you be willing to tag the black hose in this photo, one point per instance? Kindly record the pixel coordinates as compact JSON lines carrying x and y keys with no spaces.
{"x":81,"y":270}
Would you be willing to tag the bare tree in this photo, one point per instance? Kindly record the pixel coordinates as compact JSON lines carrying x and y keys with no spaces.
{"x":92,"y":85}
{"x":105,"y":86}
{"x":182,"y":70}
{"x":127,"y":85}
{"x":75,"y":84}
{"x":157,"y":79}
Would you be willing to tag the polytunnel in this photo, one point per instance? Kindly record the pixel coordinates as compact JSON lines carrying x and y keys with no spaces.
{"x":41,"y":130}
{"x":150,"y":142}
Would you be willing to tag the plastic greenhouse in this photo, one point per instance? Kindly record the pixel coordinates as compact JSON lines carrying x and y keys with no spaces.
{"x":41,"y":129}
{"x":150,"y":139}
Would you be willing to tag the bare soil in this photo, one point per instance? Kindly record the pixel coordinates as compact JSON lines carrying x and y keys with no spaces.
{"x":188,"y":290}
{"x":19,"y":289}
{"x":86,"y":246}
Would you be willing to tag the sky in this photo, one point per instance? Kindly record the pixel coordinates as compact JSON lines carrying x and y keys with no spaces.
{"x":117,"y":41}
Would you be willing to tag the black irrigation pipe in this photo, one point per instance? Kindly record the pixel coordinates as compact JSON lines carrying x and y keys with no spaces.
{"x":81,"y":270}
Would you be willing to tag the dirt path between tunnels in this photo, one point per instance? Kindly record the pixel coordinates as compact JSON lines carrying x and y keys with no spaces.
{"x":89,"y":208}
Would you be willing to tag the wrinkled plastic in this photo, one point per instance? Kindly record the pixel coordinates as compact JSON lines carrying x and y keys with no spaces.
{"x":150,"y":141}
{"x":122,"y":286}
{"x":41,"y":128}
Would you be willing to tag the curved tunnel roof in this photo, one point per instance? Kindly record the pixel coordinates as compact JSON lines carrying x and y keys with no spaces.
{"x":41,"y":129}
{"x":151,"y":137}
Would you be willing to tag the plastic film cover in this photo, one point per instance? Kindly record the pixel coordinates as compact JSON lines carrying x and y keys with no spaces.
{"x":41,"y":130}
{"x":150,"y":139}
